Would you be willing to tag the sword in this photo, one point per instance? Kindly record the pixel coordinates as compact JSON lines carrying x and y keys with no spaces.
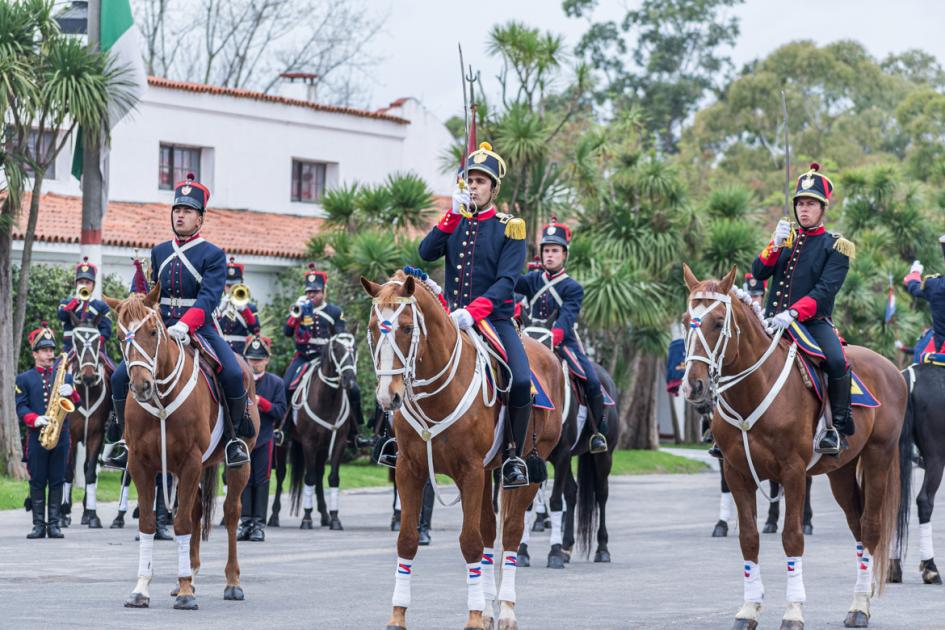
{"x":787,"y":171}
{"x":463,"y":183}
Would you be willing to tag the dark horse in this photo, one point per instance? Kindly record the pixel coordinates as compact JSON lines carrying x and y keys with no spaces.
{"x":321,"y":413}
{"x":87,"y":422}
{"x":592,"y":487}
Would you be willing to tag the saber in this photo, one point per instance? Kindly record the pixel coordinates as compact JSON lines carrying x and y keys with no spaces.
{"x":787,"y":170}
{"x":462,"y":76}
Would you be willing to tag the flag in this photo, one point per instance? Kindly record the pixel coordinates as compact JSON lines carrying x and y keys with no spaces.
{"x":891,"y":302}
{"x":119,"y":39}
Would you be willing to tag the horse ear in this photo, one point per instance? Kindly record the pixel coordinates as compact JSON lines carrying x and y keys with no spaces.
{"x":354,"y":329}
{"x":372,"y":288}
{"x":726,"y":285}
{"x":410,"y":285}
{"x":151,"y":299}
{"x":112,"y":302}
{"x":691,"y":280}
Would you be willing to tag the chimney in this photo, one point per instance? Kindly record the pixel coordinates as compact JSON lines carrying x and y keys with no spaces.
{"x":298,"y":85}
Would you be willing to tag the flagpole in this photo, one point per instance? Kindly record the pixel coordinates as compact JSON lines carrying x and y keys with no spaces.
{"x":94,"y":187}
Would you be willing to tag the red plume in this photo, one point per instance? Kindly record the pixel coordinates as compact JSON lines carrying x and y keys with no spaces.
{"x":815,"y":166}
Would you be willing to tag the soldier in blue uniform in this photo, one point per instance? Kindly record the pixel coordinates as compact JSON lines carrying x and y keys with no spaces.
{"x":807,"y":270}
{"x":192,"y":272}
{"x":485,"y":254}
{"x":83,"y":309}
{"x":550,"y":291}
{"x":236,"y":322}
{"x":932,"y":289}
{"x":270,"y":398}
{"x":46,"y":467}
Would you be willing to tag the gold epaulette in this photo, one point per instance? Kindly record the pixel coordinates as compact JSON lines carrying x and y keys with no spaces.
{"x":845,"y":247}
{"x":929,"y":277}
{"x":514,"y":226}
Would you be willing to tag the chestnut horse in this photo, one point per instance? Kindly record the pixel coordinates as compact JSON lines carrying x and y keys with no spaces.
{"x":764,"y":422}
{"x":169,"y":424}
{"x":434,"y":378}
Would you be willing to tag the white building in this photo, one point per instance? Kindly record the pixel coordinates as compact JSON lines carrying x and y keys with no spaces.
{"x":266,"y":159}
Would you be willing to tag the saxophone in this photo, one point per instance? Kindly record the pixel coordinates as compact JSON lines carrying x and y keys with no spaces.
{"x":57,"y":410}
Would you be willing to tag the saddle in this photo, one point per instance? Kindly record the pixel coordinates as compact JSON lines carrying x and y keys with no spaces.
{"x":209,"y":364}
{"x":303,"y":370}
{"x":540,"y":398}
{"x":810,"y":358}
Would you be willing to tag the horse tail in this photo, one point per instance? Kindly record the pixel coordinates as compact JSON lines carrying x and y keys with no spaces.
{"x":906,"y":441}
{"x":296,"y":480}
{"x":208,"y":496}
{"x":586,"y":502}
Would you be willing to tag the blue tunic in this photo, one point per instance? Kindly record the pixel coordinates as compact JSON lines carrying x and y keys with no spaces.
{"x":236,"y":326}
{"x":85,"y":311}
{"x":931,"y":289}
{"x":33,"y":389}
{"x":311,"y":330}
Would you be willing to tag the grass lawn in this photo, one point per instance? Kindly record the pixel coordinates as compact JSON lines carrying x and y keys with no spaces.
{"x":363,"y":474}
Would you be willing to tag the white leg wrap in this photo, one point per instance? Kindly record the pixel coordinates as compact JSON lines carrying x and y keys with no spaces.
{"x":397,"y":501}
{"x":183,"y":555}
{"x":556,"y":516}
{"x":794,"y":612}
{"x":90,"y":491}
{"x":539,"y":501}
{"x":123,"y":499}
{"x":333,"y":499}
{"x":308,"y":494}
{"x":402,"y":576}
{"x":864,"y":570}
{"x":509,"y":565}
{"x":725,"y":506}
{"x":488,"y":573}
{"x":475,"y":599}
{"x":527,"y":532}
{"x":142,"y":586}
{"x":795,"y":580}
{"x":861,"y":601}
{"x":67,"y":492}
{"x":754,"y":588}
{"x":145,"y":553}
{"x":925,"y":541}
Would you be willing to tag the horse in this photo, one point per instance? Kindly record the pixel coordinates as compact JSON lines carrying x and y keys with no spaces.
{"x":321,"y":414}
{"x":925,"y":428}
{"x":437,"y":381}
{"x":171,"y":424}
{"x":733,"y":366}
{"x":589,"y":494}
{"x":87,"y":422}
{"x":280,"y":458}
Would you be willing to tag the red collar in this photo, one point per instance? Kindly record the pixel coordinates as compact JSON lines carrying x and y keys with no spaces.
{"x":43,"y":370}
{"x":550,"y":276}
{"x":482,"y":215}
{"x":187,"y":240}
{"x":813,"y":231}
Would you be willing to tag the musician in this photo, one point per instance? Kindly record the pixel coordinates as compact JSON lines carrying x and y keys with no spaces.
{"x":84,"y":308}
{"x":551,"y":292}
{"x":235,"y":321}
{"x":485,"y":254}
{"x":192,"y":273}
{"x":932,"y":289}
{"x":270,"y":398}
{"x":805,"y":277}
{"x":46,"y":467}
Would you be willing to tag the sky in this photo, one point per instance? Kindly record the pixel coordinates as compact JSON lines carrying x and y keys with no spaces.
{"x":418,"y":55}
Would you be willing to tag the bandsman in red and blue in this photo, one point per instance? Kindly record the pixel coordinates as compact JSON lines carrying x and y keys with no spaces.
{"x":270,"y":398}
{"x":192,"y":272}
{"x":47,"y":468}
{"x":930,"y":288}
{"x":485,"y":254}
{"x":83,"y":311}
{"x":805,"y":270}
{"x":554,"y":299}
{"x":237,"y":320}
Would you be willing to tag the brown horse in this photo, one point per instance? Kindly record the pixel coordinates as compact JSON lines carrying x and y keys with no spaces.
{"x":732,"y":364}
{"x":433,"y":377}
{"x":87,"y":422}
{"x":171,"y":416}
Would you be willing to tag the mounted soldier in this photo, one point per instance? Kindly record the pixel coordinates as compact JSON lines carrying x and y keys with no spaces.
{"x":192,"y":272}
{"x":554,"y":300}
{"x":83,"y":311}
{"x":806,"y":271}
{"x":236,"y":317}
{"x":34,"y":400}
{"x":485,"y":254}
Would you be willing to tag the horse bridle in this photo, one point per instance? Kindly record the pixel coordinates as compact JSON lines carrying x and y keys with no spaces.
{"x":86,"y":342}
{"x":388,"y":328}
{"x":714,"y":356}
{"x":342,"y":365}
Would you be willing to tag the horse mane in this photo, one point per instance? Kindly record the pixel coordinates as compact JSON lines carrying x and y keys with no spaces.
{"x":742,"y":300}
{"x":389,"y":298}
{"x":134,"y":307}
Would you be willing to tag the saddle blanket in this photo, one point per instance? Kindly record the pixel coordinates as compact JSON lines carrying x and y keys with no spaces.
{"x":215,"y":435}
{"x":860,"y":395}
{"x":540,"y":398}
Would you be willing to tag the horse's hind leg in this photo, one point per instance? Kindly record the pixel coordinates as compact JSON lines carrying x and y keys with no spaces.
{"x":410,"y":485}
{"x":65,"y":510}
{"x":236,"y":481}
{"x":514,"y":504}
{"x":183,"y":533}
{"x":93,"y":450}
{"x":849,"y":495}
{"x":570,"y":507}
{"x":280,"y":465}
{"x":925,"y":501}
{"x":334,"y":483}
{"x":562,"y":464}
{"x":471,"y":485}
{"x":487,"y":531}
{"x":604,"y":463}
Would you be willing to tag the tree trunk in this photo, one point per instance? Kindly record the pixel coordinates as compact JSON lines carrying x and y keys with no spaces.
{"x":23,"y":286}
{"x":639,"y":422}
{"x":10,"y":448}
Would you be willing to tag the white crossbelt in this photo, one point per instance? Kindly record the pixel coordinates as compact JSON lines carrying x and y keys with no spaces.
{"x":179,"y":253}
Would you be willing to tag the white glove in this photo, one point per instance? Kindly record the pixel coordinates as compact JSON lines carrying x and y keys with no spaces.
{"x":460,"y":199}
{"x":65,"y":390}
{"x":782,"y":232}
{"x":40,"y":422}
{"x":180,"y":331}
{"x":780,"y":321}
{"x":462,"y":318}
{"x":301,"y":301}
{"x":917,"y":267}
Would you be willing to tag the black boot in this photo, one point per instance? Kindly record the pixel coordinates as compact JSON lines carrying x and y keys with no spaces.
{"x":514,"y":470}
{"x":356,"y":418}
{"x":161,"y":516}
{"x":237,"y":453}
{"x":118,"y":457}
{"x":595,"y":408}
{"x":426,"y":514}
{"x":38,"y":506}
{"x":260,"y":503}
{"x":715,"y":451}
{"x":54,"y":505}
{"x":838,"y":391}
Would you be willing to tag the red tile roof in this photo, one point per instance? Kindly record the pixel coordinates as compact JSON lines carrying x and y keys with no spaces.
{"x":202,"y":88}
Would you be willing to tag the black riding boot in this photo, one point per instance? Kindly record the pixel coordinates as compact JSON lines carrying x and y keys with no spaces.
{"x":385,"y":446}
{"x":161,"y":516}
{"x":514,"y":470}
{"x":260,"y":503}
{"x":838,"y":391}
{"x":38,"y":506}
{"x":595,"y":408}
{"x":426,"y":514}
{"x":118,"y":457}
{"x":237,"y":453}
{"x":54,"y":505}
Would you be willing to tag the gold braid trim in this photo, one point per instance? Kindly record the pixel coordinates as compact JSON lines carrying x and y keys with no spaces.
{"x":845,"y":247}
{"x":515,"y":229}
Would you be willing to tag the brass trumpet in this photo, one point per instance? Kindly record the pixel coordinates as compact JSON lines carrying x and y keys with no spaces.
{"x":83,"y":293}
{"x":240,"y":296}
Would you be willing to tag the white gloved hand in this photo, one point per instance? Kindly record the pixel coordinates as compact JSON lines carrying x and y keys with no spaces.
{"x":917,"y":267}
{"x":40,"y":422}
{"x":301,"y":301}
{"x":462,"y":318}
{"x":782,"y":232}
{"x":65,"y":390}
{"x":460,"y":200}
{"x":180,"y":331}
{"x":780,"y":321}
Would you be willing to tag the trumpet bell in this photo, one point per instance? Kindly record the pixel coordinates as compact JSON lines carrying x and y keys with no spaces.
{"x":240,"y":296}
{"x":83,"y":293}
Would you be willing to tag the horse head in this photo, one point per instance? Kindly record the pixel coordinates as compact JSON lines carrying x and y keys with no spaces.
{"x":86,"y":343}
{"x":341,"y":358}
{"x":142,"y":333}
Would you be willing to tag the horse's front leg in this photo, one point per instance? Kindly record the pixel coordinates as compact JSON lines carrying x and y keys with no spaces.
{"x":514,"y":504}
{"x":236,"y":480}
{"x":92,"y":452}
{"x":279,"y":455}
{"x":184,"y":530}
{"x":794,"y":482}
{"x":743,"y":492}
{"x":487,"y":531}
{"x":65,"y":510}
{"x":334,"y":484}
{"x":562,"y":463}
{"x":470,"y":483}
{"x":410,"y":484}
{"x":147,"y":524}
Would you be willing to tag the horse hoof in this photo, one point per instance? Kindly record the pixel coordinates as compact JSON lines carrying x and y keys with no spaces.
{"x":135,"y":513}
{"x":895,"y":572}
{"x":524,"y":560}
{"x":394,"y":628}
{"x":137,"y":600}
{"x":306,"y":524}
{"x":95,"y":522}
{"x":85,"y":517}
{"x":233,"y":593}
{"x":273,"y":521}
{"x":931,"y":577}
{"x":808,"y":530}
{"x":792,"y":624}
{"x":336,"y":525}
{"x":185,"y":602}
{"x":745,"y":624}
{"x":118,"y":523}
{"x":508,"y":624}
{"x":857,"y":619}
{"x":555,"y":561}
{"x":65,"y":521}
{"x":324,"y":520}
{"x":721,"y":530}
{"x":770,"y":528}
{"x":395,"y":526}
{"x":602,"y":555}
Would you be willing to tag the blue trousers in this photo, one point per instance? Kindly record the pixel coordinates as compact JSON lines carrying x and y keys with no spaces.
{"x":823,"y":331}
{"x":592,"y":384}
{"x":47,"y":467}
{"x":520,"y":393}
{"x":231,"y":376}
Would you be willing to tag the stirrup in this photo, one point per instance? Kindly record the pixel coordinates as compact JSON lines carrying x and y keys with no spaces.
{"x":244,"y":459}
{"x":517,"y":463}
{"x":387,"y":454}
{"x":829,"y":449}
{"x":116,"y":460}
{"x":599,"y":449}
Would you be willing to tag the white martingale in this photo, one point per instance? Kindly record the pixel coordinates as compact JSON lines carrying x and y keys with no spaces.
{"x":333,"y":499}
{"x":475,"y":599}
{"x":864,"y":570}
{"x":725,"y":506}
{"x":488,"y":573}
{"x":90,"y":491}
{"x":926,"y":551}
{"x":754,"y":588}
{"x":145,"y":554}
{"x":183,"y":555}
{"x":308,"y":492}
{"x":795,"y":580}
{"x":556,"y":518}
{"x":402,"y":576}
{"x":509,"y":566}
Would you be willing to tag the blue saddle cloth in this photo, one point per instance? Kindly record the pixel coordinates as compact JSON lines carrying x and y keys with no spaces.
{"x":811,"y":354}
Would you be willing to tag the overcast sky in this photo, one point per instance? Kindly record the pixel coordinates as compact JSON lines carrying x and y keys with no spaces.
{"x":418,"y":46}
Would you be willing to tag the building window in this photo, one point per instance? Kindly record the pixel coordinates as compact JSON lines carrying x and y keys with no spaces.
{"x":176,"y":162}
{"x":41,"y":147}
{"x":308,"y":181}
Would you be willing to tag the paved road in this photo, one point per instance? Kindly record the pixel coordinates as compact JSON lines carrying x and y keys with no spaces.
{"x":667,"y":572}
